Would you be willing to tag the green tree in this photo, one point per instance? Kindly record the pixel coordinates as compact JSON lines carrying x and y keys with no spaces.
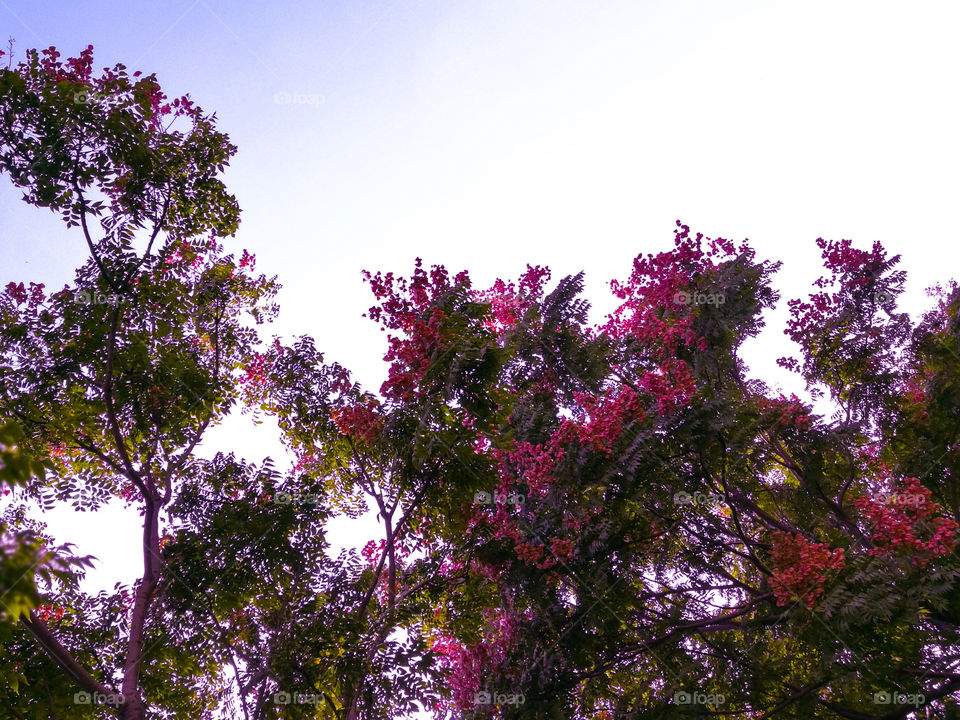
{"x":117,"y":376}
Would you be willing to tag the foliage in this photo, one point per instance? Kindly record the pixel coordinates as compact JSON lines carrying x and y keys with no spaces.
{"x":587,"y":521}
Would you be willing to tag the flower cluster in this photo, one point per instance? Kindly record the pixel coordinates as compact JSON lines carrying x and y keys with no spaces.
{"x":532,"y":464}
{"x":360,"y":421}
{"x":807,"y":315}
{"x":654,"y":315}
{"x":913,"y":391}
{"x":842,"y":259}
{"x":899,"y":527}
{"x":256,"y":370}
{"x":376,"y":551}
{"x":77,"y":69}
{"x":469,"y":666}
{"x":129,"y":494}
{"x":672,"y":385}
{"x":605,"y":418}
{"x":372,"y":550}
{"x":412,"y":357}
{"x":854,"y":268}
{"x":305,"y":458}
{"x":508,"y":301}
{"x":49,"y":613}
{"x":247,"y":261}
{"x":411,"y":308}
{"x":649,"y":312}
{"x":502,"y":525}
{"x":784,"y":412}
{"x":19,"y":294}
{"x":799,"y":568}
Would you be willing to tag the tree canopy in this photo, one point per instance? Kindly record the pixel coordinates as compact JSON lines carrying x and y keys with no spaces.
{"x":578,"y":520}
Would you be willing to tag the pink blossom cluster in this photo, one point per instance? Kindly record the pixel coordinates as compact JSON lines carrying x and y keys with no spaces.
{"x":361,"y":421}
{"x":898,"y":527}
{"x":842,"y":259}
{"x":533,"y":464}
{"x":304,"y":460}
{"x":805,"y":316}
{"x":537,"y":555}
{"x":20,"y":294}
{"x":470,"y":666}
{"x":449,"y":567}
{"x":853,"y":267}
{"x":672,"y":385}
{"x":49,"y":613}
{"x":508,"y":301}
{"x":372,"y":551}
{"x":77,"y":69}
{"x":405,"y":306}
{"x":247,"y":261}
{"x":604,"y":419}
{"x":189,"y":257}
{"x":532,"y":551}
{"x":129,"y":494}
{"x":649,"y":312}
{"x":412,"y":357}
{"x":785,"y":412}
{"x":800,"y":566}
{"x":913,"y":389}
{"x":255,"y":371}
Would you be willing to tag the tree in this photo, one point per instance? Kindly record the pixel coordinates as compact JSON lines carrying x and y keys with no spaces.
{"x":625,"y":521}
{"x":578,"y":521}
{"x":116,"y":377}
{"x":631,"y":524}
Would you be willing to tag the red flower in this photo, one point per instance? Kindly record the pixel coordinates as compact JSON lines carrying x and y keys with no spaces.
{"x":799,"y":568}
{"x":49,"y":613}
{"x":362,"y":422}
{"x":901,"y":521}
{"x":17,"y":292}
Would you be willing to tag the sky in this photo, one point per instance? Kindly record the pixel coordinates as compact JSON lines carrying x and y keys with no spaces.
{"x":488,"y":135}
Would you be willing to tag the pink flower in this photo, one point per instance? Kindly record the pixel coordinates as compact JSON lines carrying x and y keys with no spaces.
{"x":799,"y":568}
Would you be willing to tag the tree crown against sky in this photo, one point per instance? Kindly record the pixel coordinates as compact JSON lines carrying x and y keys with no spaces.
{"x":581,"y":521}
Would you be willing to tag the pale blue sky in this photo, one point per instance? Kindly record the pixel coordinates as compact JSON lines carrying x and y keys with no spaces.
{"x":491,"y":134}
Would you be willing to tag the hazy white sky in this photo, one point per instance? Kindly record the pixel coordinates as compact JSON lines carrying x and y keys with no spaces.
{"x":487,"y":135}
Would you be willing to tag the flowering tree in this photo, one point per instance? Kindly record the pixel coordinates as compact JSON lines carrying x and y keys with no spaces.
{"x":627,"y":523}
{"x":588,"y":521}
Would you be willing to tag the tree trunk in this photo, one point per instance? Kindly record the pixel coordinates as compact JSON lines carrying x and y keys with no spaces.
{"x":133,"y":707}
